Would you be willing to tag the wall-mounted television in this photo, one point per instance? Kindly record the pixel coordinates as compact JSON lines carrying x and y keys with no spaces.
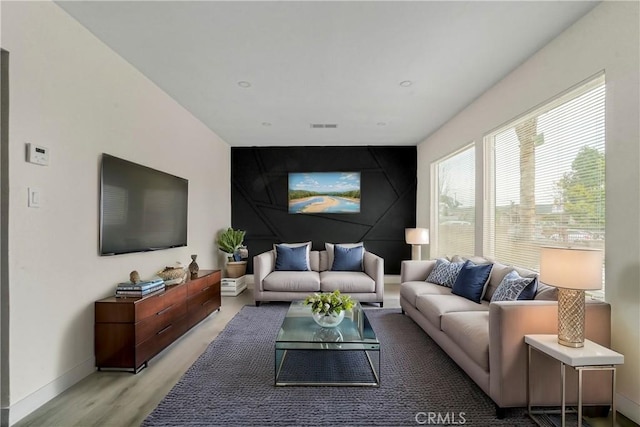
{"x":324,"y":192}
{"x":141,"y":209}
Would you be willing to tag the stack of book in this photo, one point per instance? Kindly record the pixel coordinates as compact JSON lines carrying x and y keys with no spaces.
{"x":140,"y":289}
{"x":232,"y":287}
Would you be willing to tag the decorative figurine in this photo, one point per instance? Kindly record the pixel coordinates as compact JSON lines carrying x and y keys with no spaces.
{"x":193,"y":267}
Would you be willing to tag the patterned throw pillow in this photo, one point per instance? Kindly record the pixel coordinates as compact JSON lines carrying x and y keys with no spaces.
{"x":445,"y":272}
{"x":513,"y":287}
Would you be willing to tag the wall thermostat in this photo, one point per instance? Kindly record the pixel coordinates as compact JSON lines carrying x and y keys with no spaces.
{"x":37,"y":154}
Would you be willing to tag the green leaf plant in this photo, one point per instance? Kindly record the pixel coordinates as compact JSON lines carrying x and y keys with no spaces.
{"x":230,"y":240}
{"x":329,"y":303}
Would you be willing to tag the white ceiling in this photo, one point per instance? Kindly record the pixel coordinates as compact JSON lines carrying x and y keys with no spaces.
{"x":325,"y":62}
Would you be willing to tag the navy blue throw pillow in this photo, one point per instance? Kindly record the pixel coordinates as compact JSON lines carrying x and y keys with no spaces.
{"x":347,"y":259}
{"x":529,"y":292}
{"x":472,"y":280}
{"x":291,"y":258}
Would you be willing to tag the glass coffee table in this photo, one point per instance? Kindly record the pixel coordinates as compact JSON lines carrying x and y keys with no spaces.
{"x":307,"y":354}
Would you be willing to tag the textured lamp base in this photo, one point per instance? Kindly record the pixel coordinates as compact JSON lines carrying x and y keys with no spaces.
{"x":571,"y":317}
{"x":416,"y":252}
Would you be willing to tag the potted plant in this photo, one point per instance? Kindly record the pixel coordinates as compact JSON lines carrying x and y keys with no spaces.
{"x":230,"y":241}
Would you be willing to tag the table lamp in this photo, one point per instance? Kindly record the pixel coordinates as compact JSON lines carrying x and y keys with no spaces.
{"x":416,"y":237}
{"x":572,"y":271}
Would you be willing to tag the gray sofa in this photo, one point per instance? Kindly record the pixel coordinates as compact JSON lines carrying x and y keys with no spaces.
{"x":271,"y":285}
{"x":487,"y":339}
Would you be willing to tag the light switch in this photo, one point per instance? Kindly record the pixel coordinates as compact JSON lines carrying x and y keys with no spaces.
{"x":35,"y":195}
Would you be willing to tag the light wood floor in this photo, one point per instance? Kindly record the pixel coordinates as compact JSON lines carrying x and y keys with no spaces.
{"x":123,"y":399}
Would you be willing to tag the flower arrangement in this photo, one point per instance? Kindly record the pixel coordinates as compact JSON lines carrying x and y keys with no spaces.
{"x":329,"y":303}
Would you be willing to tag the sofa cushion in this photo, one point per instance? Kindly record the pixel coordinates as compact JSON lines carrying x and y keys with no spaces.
{"x":346,"y":282}
{"x":472,"y":281}
{"x":525,"y":272}
{"x":347,"y":259}
{"x":497,"y":274}
{"x":514,"y":287}
{"x":292,"y":258}
{"x":473,"y":258}
{"x":329,"y":247}
{"x":314,"y":260}
{"x":323,"y":261}
{"x":445,"y":272}
{"x":546,"y":292}
{"x":410,"y":290}
{"x":470,"y":331}
{"x":292,"y":281}
{"x":434,"y":306}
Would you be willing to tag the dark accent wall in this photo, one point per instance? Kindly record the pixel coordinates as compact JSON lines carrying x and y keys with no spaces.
{"x":259,"y":205}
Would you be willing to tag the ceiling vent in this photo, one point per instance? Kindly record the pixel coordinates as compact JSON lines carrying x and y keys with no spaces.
{"x":323,"y":125}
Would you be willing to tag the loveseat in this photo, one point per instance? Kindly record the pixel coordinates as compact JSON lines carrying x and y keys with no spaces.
{"x":364,"y":281}
{"x":486,"y":339}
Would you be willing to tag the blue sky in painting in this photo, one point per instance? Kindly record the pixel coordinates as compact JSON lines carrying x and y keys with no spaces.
{"x":325,"y":182}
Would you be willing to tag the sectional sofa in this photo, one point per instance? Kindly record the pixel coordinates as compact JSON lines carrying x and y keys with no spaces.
{"x":486,"y":339}
{"x":364,"y":283}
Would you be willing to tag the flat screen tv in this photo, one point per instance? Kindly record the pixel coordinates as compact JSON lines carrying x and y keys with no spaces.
{"x":141,"y":209}
{"x":324,"y":192}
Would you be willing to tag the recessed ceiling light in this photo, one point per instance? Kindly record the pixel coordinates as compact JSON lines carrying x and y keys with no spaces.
{"x":267,"y":124}
{"x":244,"y":84}
{"x":406,"y":83}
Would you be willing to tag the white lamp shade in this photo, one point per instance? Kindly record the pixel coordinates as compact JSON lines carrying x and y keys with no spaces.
{"x":571,"y":268}
{"x":416,"y":236}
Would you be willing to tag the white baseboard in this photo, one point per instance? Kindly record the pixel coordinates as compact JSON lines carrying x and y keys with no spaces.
{"x":24,"y":407}
{"x":628,"y":408}
{"x":392,"y":279}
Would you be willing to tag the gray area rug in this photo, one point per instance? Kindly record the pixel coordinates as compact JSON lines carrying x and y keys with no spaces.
{"x":231,"y":384}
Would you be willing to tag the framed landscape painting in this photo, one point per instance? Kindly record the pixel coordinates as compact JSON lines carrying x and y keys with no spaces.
{"x":324,"y":192}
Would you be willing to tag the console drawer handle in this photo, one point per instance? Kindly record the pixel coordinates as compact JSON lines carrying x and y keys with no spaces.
{"x":164,"y":310}
{"x":209,"y":301}
{"x":163,"y":330}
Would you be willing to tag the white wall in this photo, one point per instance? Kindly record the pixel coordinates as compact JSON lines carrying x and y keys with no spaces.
{"x":605,"y":39}
{"x":72,"y":94}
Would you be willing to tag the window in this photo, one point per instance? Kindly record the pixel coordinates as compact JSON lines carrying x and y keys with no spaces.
{"x":545,"y":178}
{"x":454,"y":207}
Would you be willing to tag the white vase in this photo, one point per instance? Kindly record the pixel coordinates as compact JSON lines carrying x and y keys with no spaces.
{"x":328,"y":320}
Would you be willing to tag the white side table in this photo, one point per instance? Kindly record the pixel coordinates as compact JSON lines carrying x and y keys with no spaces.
{"x":591,"y":357}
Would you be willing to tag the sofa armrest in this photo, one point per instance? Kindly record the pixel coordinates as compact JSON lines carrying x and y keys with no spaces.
{"x":374,"y":268}
{"x":417,"y":270}
{"x":509,"y":322}
{"x":263,"y":264}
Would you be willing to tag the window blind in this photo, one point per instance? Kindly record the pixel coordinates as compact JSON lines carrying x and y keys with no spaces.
{"x":454,"y":209}
{"x":546,"y":176}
